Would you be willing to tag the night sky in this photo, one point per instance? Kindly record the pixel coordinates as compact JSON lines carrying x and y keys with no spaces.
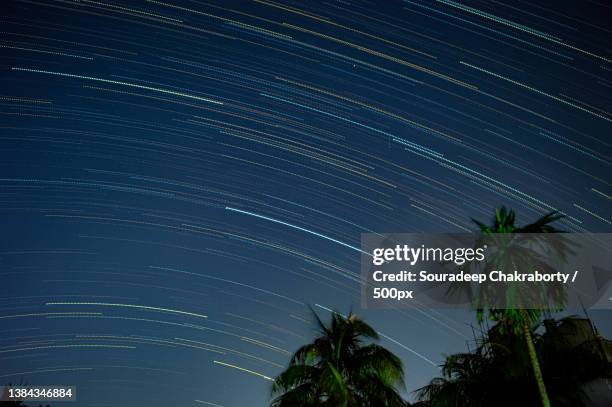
{"x":181,"y":180}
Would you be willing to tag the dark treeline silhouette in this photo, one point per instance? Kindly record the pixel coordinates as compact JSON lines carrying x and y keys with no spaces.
{"x":497,"y":372}
{"x":512,"y":364}
{"x":575,"y":363}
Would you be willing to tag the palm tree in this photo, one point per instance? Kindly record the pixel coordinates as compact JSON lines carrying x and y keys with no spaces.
{"x":341,"y":368}
{"x":468,"y":380}
{"x":520,"y":320}
{"x":493,"y":375}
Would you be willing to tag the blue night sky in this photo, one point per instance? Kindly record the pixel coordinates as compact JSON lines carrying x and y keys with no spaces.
{"x":180,"y":180}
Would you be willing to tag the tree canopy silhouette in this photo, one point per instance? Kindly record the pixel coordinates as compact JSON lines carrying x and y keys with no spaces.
{"x":341,"y":368}
{"x":496,"y":374}
{"x":518,"y":320}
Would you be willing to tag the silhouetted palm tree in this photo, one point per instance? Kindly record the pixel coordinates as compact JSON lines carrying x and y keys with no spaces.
{"x":464,"y":382}
{"x":494,"y":374}
{"x":520,"y":320}
{"x":341,"y":368}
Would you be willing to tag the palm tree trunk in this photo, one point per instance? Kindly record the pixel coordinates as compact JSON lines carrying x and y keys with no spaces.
{"x":535,"y":364}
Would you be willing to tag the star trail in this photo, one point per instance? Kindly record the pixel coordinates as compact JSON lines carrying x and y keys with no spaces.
{"x":181,"y":180}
